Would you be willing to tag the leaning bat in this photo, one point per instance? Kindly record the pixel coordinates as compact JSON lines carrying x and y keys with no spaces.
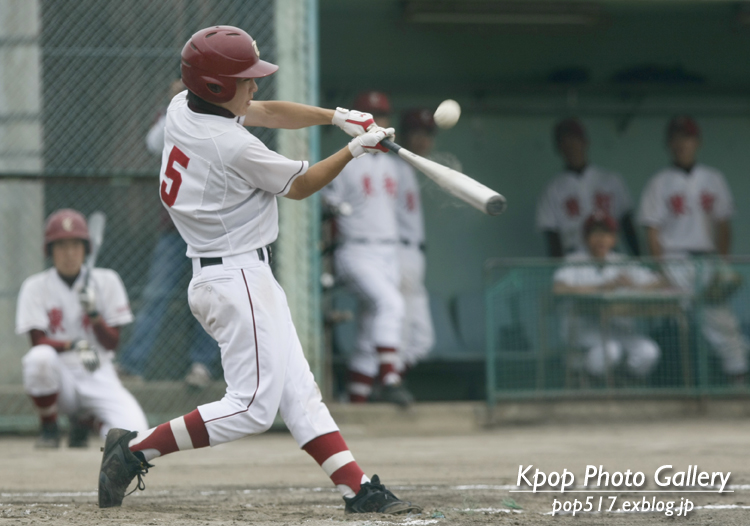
{"x":461,"y":185}
{"x":97,"y":221}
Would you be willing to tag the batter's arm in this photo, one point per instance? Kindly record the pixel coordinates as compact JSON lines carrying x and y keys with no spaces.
{"x":319,"y":175}
{"x":108,"y":337}
{"x":286,"y":115}
{"x":39,"y":337}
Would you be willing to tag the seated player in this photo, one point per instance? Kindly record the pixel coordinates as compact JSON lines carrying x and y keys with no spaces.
{"x":74,"y":328}
{"x":597,"y":270}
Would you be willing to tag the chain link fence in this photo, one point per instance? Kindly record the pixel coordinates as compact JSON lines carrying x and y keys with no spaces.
{"x":85,"y":82}
{"x":622,"y":328}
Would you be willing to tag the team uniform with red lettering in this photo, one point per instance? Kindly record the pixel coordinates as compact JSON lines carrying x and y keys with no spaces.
{"x":418,"y":335}
{"x":48,"y":304}
{"x":367,"y":261}
{"x":683,"y":207}
{"x":571,"y":197}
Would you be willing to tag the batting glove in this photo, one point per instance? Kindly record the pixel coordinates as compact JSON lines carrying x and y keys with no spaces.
{"x":87,"y":298}
{"x":370,"y":141}
{"x":353,"y":122}
{"x":88,"y":356}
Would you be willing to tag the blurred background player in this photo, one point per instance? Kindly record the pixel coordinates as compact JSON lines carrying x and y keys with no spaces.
{"x":169,"y":270}
{"x":74,"y":332}
{"x":686,"y":210}
{"x":367,"y":261}
{"x":418,"y":337}
{"x":578,"y":191}
{"x":595,"y":270}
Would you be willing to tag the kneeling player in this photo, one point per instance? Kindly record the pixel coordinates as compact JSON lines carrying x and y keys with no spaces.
{"x":74,"y":329}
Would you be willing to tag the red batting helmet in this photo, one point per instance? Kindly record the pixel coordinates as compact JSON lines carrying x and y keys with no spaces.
{"x":65,"y":224}
{"x":599,"y":220}
{"x":214,"y":57}
{"x":683,"y":125}
{"x":417,"y":119}
{"x":375,"y":102}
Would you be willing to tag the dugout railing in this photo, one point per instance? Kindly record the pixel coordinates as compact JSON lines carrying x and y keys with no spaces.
{"x":538,"y":341}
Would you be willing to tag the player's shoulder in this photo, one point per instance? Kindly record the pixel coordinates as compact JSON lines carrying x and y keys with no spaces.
{"x":560,"y":182}
{"x":709,"y":171}
{"x":37,"y":280}
{"x":105,"y":276}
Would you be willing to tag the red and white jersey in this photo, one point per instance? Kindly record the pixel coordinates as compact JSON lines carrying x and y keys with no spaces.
{"x":684,"y":206}
{"x":583,"y":270}
{"x":49,"y":304}
{"x":409,"y":206}
{"x":570,"y":198}
{"x":219,"y":182}
{"x":370,"y":185}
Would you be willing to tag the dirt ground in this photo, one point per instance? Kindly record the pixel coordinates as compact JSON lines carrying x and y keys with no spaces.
{"x":466,"y":479}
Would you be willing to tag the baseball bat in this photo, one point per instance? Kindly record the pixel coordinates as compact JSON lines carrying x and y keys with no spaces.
{"x":97,"y":221}
{"x":460,"y":185}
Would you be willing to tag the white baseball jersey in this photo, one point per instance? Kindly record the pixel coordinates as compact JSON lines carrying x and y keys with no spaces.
{"x":684,"y":206}
{"x":370,"y":185}
{"x":409,"y":206}
{"x":219,"y":182}
{"x":48,"y":304}
{"x":570,"y":198}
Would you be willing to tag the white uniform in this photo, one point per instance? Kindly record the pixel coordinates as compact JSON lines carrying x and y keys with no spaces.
{"x":418,"y":336}
{"x":49,"y":304}
{"x":219,"y":184}
{"x":684,"y":208}
{"x":622,"y":337}
{"x":570,"y":198}
{"x":367,"y":259}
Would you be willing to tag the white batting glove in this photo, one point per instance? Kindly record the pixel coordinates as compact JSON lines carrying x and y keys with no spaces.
{"x":88,"y":356}
{"x":353,"y":122}
{"x":370,"y":142}
{"x":87,"y":298}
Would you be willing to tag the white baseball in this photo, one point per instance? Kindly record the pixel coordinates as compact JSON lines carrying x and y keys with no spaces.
{"x":447,"y":114}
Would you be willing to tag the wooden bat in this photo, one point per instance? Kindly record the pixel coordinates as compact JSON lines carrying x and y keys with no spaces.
{"x":460,"y":185}
{"x":97,"y":221}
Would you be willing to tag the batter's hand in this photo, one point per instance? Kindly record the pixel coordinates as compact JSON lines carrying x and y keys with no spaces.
{"x":370,"y":141}
{"x":88,"y":356}
{"x":87,"y":297}
{"x":353,"y":122}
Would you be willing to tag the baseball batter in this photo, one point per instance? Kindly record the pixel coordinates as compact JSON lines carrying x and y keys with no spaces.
{"x":577,"y":192}
{"x":596,"y":270}
{"x":220,"y":185}
{"x":367,"y":261}
{"x":686,"y":210}
{"x":418,"y":336}
{"x":74,"y":330}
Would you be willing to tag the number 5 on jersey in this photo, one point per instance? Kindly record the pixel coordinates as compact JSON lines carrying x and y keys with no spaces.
{"x":169,"y":196}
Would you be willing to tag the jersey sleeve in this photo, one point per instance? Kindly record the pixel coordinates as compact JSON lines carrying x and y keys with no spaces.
{"x":653,"y":210}
{"x":265,"y":169}
{"x":30,"y":311}
{"x":724,"y":208}
{"x":545,"y":211}
{"x":113,"y":302}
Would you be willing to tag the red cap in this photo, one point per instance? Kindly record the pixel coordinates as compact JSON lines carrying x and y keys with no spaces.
{"x":417,"y":119}
{"x":375,"y":102}
{"x":599,"y":221}
{"x":683,"y":125}
{"x":65,"y":224}
{"x":215,"y":57}
{"x":570,"y":126}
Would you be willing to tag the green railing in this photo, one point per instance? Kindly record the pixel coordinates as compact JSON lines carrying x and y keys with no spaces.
{"x":677,"y":330}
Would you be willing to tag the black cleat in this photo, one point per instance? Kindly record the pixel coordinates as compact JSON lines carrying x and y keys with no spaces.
{"x":78,"y":435}
{"x":373,"y":497}
{"x":49,"y":437}
{"x":119,"y":467}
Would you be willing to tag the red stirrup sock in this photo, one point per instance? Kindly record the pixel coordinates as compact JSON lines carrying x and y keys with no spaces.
{"x":331,"y":452}
{"x":388,"y":362}
{"x":46,"y":407}
{"x":185,"y":432}
{"x":360,"y":387}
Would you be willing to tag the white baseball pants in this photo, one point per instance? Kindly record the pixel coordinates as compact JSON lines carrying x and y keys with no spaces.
{"x":245,"y":310}
{"x":418,"y":335}
{"x":45,"y":372}
{"x":371,"y":271}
